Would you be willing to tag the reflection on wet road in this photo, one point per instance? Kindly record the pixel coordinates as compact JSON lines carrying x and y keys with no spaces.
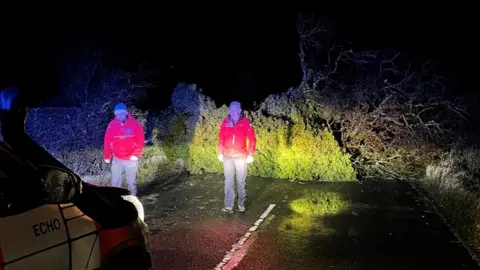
{"x":374,"y":225}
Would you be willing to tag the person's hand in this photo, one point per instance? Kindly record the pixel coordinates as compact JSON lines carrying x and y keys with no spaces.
{"x":133,"y":158}
{"x":220,"y":157}
{"x":249,"y":159}
{"x":107,"y":161}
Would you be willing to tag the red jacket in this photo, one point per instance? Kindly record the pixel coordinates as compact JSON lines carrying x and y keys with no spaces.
{"x":123,"y":140}
{"x":232,"y":138}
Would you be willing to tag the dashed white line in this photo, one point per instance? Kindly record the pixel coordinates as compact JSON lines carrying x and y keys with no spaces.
{"x":231,"y":253}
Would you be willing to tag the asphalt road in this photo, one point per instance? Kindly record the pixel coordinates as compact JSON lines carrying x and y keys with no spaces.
{"x":381,"y":225}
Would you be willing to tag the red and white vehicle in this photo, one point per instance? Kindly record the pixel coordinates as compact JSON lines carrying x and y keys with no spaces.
{"x":51,"y":219}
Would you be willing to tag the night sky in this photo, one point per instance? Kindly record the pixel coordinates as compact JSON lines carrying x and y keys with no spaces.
{"x":243,"y":55}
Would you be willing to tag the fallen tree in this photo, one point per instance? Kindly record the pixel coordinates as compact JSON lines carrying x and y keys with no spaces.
{"x":288,"y":147}
{"x":392,"y":117}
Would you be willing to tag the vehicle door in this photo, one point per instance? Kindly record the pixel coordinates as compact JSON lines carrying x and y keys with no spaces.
{"x":32,"y":232}
{"x":82,"y":231}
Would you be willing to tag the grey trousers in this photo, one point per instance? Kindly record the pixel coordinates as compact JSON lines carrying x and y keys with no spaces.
{"x":231,"y":168}
{"x":130,"y":168}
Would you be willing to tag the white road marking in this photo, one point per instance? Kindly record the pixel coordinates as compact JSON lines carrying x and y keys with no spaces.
{"x":230,"y":254}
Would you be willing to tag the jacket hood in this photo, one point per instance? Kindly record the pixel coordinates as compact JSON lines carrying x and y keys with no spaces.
{"x":228,"y":118}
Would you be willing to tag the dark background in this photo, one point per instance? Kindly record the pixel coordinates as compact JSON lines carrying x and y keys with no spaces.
{"x":234,"y":55}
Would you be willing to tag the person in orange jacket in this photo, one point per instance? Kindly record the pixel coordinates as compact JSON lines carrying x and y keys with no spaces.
{"x":123,"y":146}
{"x":235,"y":154}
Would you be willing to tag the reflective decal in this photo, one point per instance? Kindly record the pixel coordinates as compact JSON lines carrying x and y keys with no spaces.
{"x":45,"y":227}
{"x":34,"y":238}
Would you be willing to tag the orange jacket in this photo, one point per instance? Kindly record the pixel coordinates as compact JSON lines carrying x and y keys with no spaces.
{"x":123,"y":140}
{"x":232,"y":138}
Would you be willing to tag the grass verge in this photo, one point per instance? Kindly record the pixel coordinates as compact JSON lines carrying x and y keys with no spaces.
{"x":452,"y":185}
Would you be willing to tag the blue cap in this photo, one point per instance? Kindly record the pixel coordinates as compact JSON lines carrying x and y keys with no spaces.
{"x":120,"y":107}
{"x":235,"y":105}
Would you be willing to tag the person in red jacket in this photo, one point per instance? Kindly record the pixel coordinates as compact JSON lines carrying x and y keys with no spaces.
{"x":123,"y":146}
{"x":236,"y":153}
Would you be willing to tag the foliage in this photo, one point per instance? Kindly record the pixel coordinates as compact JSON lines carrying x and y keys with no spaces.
{"x":294,"y":151}
{"x":72,"y":129}
{"x":94,"y":89}
{"x":393,"y":116}
{"x":391,"y":122}
{"x":75,"y":135}
{"x":286,"y":149}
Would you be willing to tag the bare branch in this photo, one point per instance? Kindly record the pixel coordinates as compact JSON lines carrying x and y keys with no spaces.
{"x":309,"y":33}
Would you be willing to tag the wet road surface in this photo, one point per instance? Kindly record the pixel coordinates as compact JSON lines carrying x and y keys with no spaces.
{"x":370,"y":225}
